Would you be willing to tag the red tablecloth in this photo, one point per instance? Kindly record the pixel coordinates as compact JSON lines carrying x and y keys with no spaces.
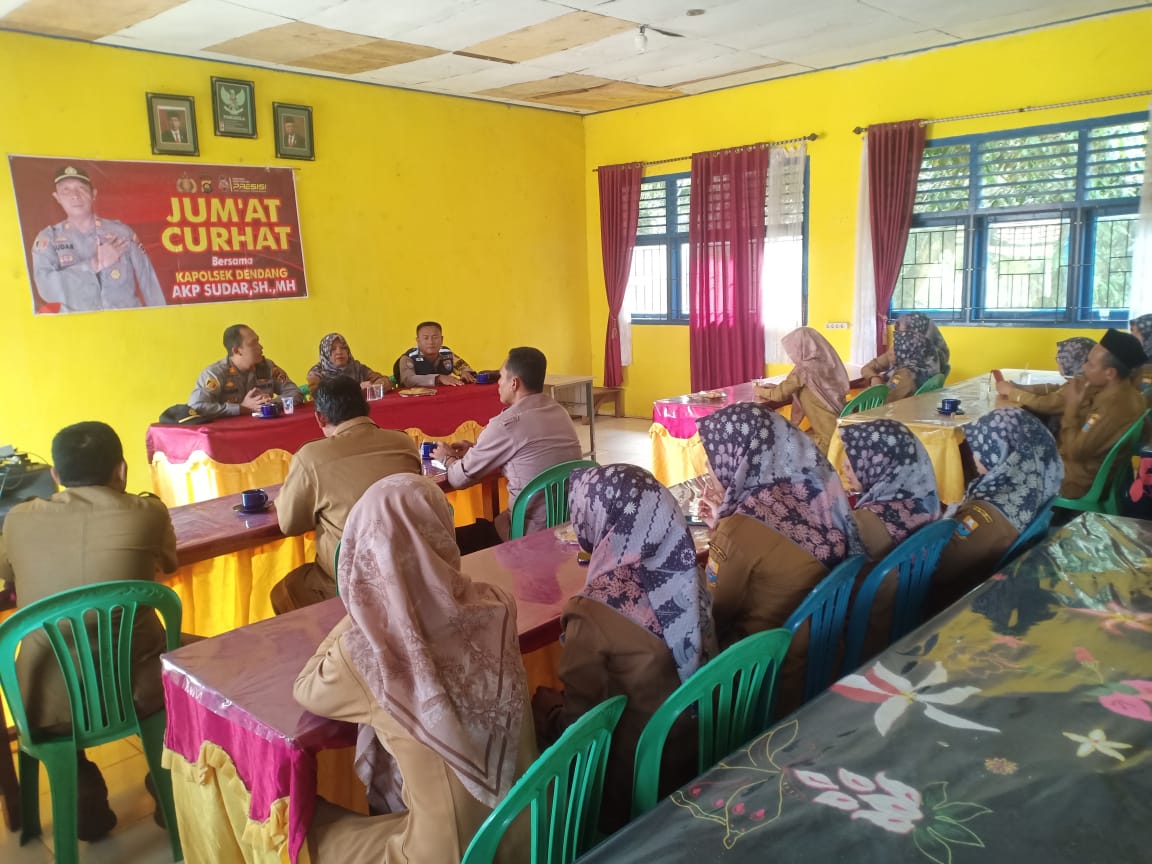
{"x":238,"y":440}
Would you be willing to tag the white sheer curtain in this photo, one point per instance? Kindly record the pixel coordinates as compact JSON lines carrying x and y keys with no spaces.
{"x":1141,"y":300}
{"x":864,"y":309}
{"x":782,"y":274}
{"x":625,"y":321}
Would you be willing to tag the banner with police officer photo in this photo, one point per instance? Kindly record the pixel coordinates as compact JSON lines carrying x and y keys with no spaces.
{"x":102,"y":235}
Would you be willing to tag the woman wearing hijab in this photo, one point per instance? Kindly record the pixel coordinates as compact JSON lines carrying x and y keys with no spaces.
{"x":1142,"y":329}
{"x":336,"y":361}
{"x":640,"y":627}
{"x":429,"y":663}
{"x":890,"y":469}
{"x":918,"y":352}
{"x":1020,"y":470}
{"x":781,"y":518}
{"x":1048,"y":399}
{"x":817,"y":384}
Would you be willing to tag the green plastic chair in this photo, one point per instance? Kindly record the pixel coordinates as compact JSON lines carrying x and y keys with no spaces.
{"x":731,"y":696}
{"x":554,"y":483}
{"x":866,"y":400}
{"x":933,"y":383}
{"x":826,"y":610}
{"x":1106,"y":495}
{"x":562,"y":788}
{"x":99,"y":685}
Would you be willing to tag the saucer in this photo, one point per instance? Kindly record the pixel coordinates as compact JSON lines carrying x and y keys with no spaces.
{"x":949,"y":413}
{"x":260,"y":416}
{"x":251,"y":511}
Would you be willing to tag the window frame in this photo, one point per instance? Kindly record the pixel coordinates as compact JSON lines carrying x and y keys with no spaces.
{"x":672,"y":239}
{"x":1083,"y":215}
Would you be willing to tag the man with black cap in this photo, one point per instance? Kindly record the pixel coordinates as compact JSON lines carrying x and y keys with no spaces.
{"x":92,"y":531}
{"x":88,"y":263}
{"x":1099,"y":408}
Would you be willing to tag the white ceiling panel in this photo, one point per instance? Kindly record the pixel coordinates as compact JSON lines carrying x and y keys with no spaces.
{"x":1007,"y":23}
{"x":499,"y":75}
{"x":7,"y":6}
{"x":194,"y":25}
{"x":386,"y":19}
{"x":740,"y":78}
{"x":812,"y":31}
{"x":480,"y":21}
{"x":869,"y":49}
{"x":678,"y":63}
{"x":294,"y":9}
{"x":428,"y":70}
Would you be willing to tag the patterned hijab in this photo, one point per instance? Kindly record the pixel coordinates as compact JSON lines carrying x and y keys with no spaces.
{"x":439,"y":652}
{"x":919,"y":323}
{"x":353,"y":369}
{"x":1024,"y":466}
{"x":818,"y":367}
{"x":1071,"y":354}
{"x":772,"y":471}
{"x":643,"y":559}
{"x":1142,"y":330}
{"x":896,"y":474}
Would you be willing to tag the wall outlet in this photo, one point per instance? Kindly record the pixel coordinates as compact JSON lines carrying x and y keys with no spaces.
{"x":836,"y":325}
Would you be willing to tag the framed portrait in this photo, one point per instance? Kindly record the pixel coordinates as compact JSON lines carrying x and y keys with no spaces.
{"x":172,"y":124}
{"x":233,"y":108}
{"x":293,"y":130}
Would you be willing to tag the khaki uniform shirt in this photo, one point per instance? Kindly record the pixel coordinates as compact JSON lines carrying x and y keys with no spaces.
{"x":222,"y":387}
{"x":327,"y":477}
{"x":441,"y":816}
{"x":981,"y":538}
{"x":820,"y":418}
{"x":901,"y":383}
{"x":85,"y":535}
{"x":520,"y":442}
{"x":1046,"y":399}
{"x":1089,"y":429}
{"x":62,"y":258}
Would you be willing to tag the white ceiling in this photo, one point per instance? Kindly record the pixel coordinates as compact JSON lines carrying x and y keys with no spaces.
{"x":580,"y":56}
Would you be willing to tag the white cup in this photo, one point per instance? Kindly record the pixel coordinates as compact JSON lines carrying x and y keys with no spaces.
{"x":375,"y":391}
{"x":289,"y":404}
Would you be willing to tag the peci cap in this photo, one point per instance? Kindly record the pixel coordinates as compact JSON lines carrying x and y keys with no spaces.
{"x":71,"y":172}
{"x":1124,"y":347}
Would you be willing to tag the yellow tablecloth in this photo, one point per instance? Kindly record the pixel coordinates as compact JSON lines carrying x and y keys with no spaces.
{"x":675,"y":460}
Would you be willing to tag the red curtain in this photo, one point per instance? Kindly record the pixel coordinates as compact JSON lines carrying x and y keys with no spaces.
{"x":725,"y":252}
{"x":619,"y":213}
{"x":894,"y":153}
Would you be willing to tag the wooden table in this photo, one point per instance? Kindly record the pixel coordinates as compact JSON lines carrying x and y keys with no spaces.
{"x":554,"y":382}
{"x":234,"y":692}
{"x":1014,"y":727}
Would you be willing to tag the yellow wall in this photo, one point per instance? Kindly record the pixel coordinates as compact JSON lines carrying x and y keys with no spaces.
{"x":1098,"y":57}
{"x":417,"y":206}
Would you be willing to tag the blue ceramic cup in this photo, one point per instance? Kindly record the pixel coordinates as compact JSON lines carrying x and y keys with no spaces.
{"x":949,"y":406}
{"x":426,"y":449}
{"x":253,"y":499}
{"x":483,"y":377}
{"x":269,"y":409}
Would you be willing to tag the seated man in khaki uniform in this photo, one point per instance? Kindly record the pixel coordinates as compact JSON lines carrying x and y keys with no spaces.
{"x":431,"y":363}
{"x":327,"y":477}
{"x":243,"y":381}
{"x":532,"y":434}
{"x":1099,"y":408}
{"x":91,"y":532}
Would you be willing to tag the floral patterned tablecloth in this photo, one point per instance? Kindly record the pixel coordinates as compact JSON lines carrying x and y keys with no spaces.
{"x":1015,"y":727}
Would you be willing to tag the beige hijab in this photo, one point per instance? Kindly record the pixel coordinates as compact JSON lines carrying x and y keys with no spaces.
{"x":818,"y":367}
{"x":439,"y":652}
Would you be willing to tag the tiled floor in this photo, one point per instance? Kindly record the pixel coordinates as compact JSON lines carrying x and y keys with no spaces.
{"x":136,"y":838}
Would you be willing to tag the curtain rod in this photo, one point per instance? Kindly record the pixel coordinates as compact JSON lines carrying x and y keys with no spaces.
{"x":811,"y":136}
{"x":860,"y":129}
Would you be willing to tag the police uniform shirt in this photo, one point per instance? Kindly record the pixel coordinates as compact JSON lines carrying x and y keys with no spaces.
{"x":414,"y":370}
{"x":222,"y":387}
{"x":62,"y":260}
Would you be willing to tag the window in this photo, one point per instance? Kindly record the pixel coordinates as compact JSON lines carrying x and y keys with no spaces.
{"x":658,"y":281}
{"x":1027,"y":226}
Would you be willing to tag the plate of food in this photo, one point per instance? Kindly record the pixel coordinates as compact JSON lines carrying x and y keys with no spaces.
{"x":417,"y":391}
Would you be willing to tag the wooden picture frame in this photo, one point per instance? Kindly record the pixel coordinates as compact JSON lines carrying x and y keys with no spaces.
{"x":172,"y":124}
{"x":233,"y":108}
{"x":292,"y":128}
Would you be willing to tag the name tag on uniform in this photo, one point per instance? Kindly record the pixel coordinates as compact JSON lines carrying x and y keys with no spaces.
{"x":1092,"y":421}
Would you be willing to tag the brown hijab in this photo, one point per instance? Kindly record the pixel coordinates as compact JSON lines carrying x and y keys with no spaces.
{"x":439,"y":652}
{"x":818,"y":367}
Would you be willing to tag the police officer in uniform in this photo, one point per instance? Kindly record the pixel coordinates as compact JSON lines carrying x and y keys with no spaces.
{"x":86,"y":263}
{"x":244,"y":380}
{"x":431,"y":362}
